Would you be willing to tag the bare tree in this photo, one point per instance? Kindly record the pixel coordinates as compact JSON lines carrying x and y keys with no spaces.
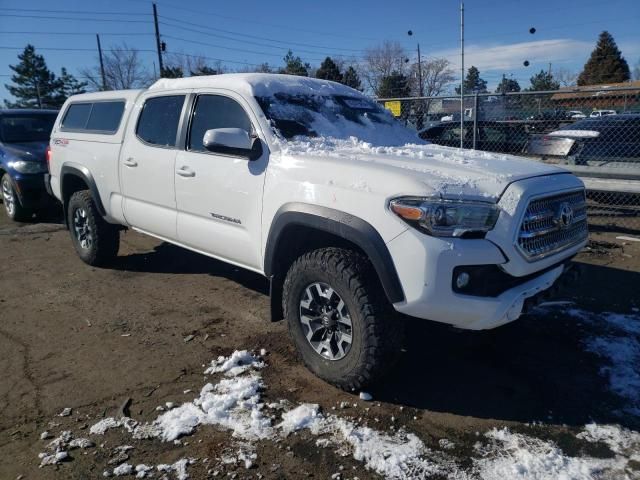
{"x":437,"y":75}
{"x":381,"y":61}
{"x":123,"y":69}
{"x":566,"y":77}
{"x":193,"y":65}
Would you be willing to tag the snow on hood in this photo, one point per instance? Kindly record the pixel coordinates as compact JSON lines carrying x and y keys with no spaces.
{"x":445,"y":171}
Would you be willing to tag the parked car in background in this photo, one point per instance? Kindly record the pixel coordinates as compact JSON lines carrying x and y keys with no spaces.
{"x":577,"y":114}
{"x":24,"y":142}
{"x":602,"y":113}
{"x":503,"y":137}
{"x":605,"y":139}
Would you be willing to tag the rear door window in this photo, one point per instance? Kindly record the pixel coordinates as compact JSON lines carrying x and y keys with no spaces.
{"x":158,"y":122}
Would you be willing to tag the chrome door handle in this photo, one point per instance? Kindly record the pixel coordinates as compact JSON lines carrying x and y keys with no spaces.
{"x":185,"y":172}
{"x":130,"y":162}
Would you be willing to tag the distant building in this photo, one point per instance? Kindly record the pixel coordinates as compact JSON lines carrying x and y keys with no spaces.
{"x":618,"y":96}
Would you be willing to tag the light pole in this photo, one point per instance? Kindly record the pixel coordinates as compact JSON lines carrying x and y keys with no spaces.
{"x":462,"y":74}
{"x":420,"y":85}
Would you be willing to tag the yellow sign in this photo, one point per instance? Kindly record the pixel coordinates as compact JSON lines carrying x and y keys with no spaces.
{"x":394,"y":107}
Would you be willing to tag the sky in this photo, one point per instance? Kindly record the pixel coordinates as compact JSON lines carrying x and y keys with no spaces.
{"x":497,"y":37}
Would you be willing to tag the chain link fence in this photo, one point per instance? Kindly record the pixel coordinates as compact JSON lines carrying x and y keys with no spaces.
{"x":593,"y":132}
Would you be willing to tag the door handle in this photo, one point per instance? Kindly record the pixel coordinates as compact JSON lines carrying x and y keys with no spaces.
{"x":130,"y":162}
{"x":185,"y":172}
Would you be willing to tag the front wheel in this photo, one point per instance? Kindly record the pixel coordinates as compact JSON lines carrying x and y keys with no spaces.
{"x":338,"y":317}
{"x":95,"y":240}
{"x":13,"y":207}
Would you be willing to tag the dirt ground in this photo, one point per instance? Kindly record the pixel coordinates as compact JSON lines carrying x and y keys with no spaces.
{"x":77,"y":337}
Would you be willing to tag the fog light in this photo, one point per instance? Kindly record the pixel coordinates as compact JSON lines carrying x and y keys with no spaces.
{"x":462,"y":280}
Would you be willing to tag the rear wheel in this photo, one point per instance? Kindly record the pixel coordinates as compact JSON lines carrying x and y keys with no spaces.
{"x":13,"y":207}
{"x":95,"y":240}
{"x":338,"y":317}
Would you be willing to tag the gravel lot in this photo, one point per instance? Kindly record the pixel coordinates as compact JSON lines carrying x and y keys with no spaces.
{"x":509,"y":403}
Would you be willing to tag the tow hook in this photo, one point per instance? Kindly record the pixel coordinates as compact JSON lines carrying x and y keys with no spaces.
{"x":570,"y":276}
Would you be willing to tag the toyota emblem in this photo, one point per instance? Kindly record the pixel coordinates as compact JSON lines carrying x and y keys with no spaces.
{"x":564,"y":217}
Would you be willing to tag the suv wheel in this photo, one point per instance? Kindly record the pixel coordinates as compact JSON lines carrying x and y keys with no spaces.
{"x":95,"y":240}
{"x":338,"y":318}
{"x":15,"y":211}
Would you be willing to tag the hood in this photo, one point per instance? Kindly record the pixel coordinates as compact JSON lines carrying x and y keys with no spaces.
{"x":31,"y":151}
{"x":429,"y":170}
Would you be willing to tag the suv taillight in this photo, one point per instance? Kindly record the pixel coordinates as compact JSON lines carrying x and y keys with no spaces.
{"x":48,"y":155}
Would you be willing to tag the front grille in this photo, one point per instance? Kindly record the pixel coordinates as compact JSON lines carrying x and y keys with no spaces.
{"x":553,"y":224}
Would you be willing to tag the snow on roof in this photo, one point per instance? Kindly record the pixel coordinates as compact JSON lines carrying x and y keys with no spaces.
{"x":257,"y":84}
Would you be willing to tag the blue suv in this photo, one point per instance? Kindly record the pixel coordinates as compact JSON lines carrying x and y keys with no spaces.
{"x":24,"y":142}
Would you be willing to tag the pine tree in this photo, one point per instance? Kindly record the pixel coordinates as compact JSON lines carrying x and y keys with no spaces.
{"x":329,"y":71}
{"x":395,"y":85}
{"x":606,"y":64}
{"x":69,"y":86}
{"x":203,"y":70}
{"x":352,"y":79}
{"x":172,"y":72}
{"x":543,"y":81}
{"x":473,"y":83}
{"x":508,"y":85}
{"x":294,"y":65}
{"x":34,"y":85}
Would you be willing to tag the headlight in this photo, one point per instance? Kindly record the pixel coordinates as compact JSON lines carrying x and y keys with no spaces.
{"x":24,"y":166}
{"x":446,"y":218}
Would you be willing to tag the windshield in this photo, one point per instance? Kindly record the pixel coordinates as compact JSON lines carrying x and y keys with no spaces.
{"x":24,"y":128}
{"x":337,"y":116}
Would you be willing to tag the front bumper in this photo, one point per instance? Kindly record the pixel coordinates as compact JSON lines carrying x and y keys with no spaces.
{"x":430,"y":295}
{"x":31,"y":191}
{"x":426,"y":266}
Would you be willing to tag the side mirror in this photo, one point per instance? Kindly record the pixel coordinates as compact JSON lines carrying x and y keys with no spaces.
{"x":226,"y":138}
{"x":232,"y":141}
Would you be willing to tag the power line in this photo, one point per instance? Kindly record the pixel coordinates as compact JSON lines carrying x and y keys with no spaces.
{"x":259,"y":37}
{"x":73,"y":12}
{"x":75,"y":19}
{"x":77,"y":33}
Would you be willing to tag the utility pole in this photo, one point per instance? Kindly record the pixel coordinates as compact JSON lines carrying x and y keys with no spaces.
{"x":104,"y":78}
{"x":421,"y":89}
{"x":461,"y":74}
{"x":549,"y":68}
{"x":158,"y":44}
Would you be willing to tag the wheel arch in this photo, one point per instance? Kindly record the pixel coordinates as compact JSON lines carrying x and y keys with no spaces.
{"x":300,"y":227}
{"x":75,"y":178}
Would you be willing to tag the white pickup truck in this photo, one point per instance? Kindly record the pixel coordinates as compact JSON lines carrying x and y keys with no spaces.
{"x":349,"y":214}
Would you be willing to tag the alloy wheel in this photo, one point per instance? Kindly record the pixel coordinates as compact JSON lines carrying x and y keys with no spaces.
{"x":325,"y":321}
{"x":82,"y":228}
{"x":8,"y":197}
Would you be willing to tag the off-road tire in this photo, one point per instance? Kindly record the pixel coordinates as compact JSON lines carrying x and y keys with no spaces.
{"x":106,"y":237}
{"x":377,"y":330}
{"x":18,"y":213}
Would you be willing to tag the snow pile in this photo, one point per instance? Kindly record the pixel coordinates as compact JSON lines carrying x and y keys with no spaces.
{"x":232,"y":403}
{"x":179,"y":468}
{"x":393,"y":456}
{"x":620,"y":440}
{"x":516,"y":456}
{"x":57,"y":449}
{"x":239,"y":362}
{"x":620,"y":345}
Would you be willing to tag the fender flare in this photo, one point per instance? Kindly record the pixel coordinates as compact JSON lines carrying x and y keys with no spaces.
{"x":341,"y":224}
{"x":83,"y":174}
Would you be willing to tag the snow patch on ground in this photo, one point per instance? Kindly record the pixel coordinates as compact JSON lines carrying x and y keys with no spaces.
{"x":618,"y":341}
{"x":238,"y":362}
{"x":510,"y":455}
